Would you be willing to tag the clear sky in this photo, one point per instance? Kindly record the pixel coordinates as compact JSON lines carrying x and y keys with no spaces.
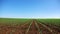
{"x":30,"y":8}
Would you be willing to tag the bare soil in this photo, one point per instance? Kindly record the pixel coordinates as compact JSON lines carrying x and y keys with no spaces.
{"x":30,"y":29}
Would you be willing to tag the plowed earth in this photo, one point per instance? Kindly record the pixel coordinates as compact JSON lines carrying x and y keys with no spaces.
{"x":32,"y":27}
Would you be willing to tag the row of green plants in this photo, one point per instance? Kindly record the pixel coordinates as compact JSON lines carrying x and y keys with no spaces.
{"x":50,"y":21}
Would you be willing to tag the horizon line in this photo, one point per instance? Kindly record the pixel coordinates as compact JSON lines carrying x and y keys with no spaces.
{"x":31,"y":18}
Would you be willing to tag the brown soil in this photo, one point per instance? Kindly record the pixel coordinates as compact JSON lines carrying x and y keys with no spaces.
{"x":22,"y":29}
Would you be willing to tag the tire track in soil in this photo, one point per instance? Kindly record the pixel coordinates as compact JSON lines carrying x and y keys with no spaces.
{"x":33,"y":29}
{"x":40,"y":32}
{"x":28,"y":28}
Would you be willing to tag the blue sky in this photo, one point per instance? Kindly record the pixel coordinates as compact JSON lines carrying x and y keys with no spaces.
{"x":30,"y":8}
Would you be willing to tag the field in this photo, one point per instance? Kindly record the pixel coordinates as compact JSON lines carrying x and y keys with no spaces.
{"x":51,"y":21}
{"x":29,"y":26}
